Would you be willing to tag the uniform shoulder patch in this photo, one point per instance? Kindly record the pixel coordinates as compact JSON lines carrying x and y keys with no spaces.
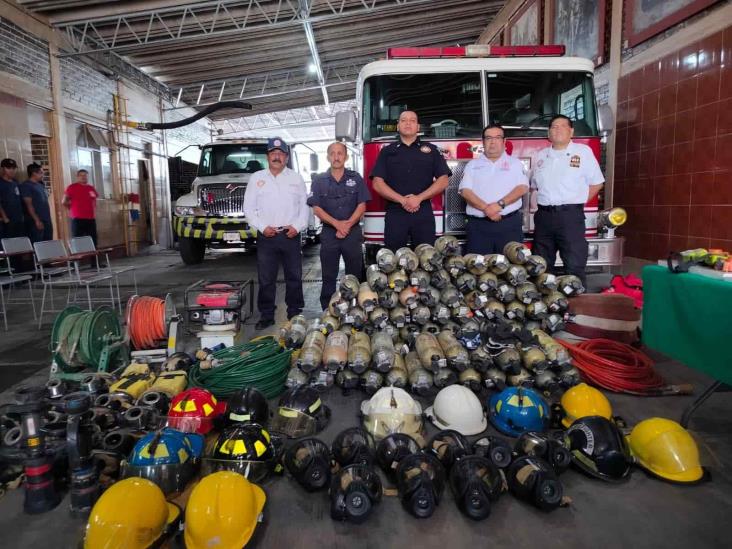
{"x":425,"y":149}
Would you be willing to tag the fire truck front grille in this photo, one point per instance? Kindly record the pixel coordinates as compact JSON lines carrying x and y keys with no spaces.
{"x":455,"y":220}
{"x":223,"y":200}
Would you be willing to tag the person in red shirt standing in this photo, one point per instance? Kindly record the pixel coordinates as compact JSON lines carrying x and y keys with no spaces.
{"x":81,"y":200}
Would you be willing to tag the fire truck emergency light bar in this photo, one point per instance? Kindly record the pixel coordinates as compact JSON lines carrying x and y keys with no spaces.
{"x":476,"y":50}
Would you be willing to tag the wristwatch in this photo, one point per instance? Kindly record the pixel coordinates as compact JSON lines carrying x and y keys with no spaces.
{"x":501,"y":203}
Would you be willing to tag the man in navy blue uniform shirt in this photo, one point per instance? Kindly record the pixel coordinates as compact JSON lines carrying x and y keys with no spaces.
{"x":38,"y":224}
{"x":11,"y":205}
{"x":407,"y":174}
{"x":338,"y":197}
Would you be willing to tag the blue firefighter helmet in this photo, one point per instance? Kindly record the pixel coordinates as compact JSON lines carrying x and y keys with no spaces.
{"x":516,"y":410}
{"x":167,"y":457}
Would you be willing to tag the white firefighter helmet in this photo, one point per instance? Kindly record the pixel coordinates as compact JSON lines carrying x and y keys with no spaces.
{"x":393,"y":410}
{"x":456,"y":407}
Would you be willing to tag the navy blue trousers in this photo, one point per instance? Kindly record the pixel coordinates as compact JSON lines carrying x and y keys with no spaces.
{"x":562,"y":230}
{"x":489,"y":237}
{"x":271,"y":252}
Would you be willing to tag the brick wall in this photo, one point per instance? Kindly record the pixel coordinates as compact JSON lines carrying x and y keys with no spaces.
{"x":83,"y":84}
{"x":673,"y":167}
{"x":23,"y":55}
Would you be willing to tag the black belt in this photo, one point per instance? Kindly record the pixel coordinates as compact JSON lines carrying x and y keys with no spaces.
{"x":515,"y":212}
{"x":561,"y":207}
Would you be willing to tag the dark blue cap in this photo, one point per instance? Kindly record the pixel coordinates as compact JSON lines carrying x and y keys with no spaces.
{"x":278,"y":143}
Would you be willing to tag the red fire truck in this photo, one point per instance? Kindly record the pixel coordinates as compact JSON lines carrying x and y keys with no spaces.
{"x":456,"y":91}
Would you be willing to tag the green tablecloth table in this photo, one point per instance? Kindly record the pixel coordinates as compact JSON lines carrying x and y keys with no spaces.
{"x":688,"y":317}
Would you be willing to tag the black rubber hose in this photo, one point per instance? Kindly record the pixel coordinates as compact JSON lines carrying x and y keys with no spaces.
{"x":200,"y":114}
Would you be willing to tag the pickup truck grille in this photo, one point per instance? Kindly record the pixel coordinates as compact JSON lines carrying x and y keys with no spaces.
{"x":223,"y":199}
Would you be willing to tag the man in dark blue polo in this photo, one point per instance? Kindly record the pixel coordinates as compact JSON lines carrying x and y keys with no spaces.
{"x":338,"y":197}
{"x":38,"y":224}
{"x":407,"y":174}
{"x":11,"y":205}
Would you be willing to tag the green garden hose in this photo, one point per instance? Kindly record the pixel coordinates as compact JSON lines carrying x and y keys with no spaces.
{"x":261,"y":363}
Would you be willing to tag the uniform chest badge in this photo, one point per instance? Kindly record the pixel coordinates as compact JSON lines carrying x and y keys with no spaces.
{"x":574,"y":161}
{"x":425,"y":149}
{"x":260,"y":183}
{"x":350,"y":183}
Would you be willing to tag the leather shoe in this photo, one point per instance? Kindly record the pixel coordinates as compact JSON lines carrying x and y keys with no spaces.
{"x":264,"y":323}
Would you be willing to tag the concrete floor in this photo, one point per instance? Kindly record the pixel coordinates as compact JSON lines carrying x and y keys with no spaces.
{"x":643,"y":512}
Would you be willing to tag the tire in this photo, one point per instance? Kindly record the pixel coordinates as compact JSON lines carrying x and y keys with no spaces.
{"x":192,"y":250}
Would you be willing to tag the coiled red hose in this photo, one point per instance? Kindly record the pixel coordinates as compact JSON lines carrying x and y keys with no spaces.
{"x":616,"y":366}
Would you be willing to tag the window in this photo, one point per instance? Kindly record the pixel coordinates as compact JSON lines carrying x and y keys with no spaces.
{"x":448,"y":105}
{"x":524,"y":102}
{"x":232,"y":158}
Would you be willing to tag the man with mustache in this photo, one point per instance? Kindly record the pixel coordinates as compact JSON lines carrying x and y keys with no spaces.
{"x":338,"y":197}
{"x":275,"y":205}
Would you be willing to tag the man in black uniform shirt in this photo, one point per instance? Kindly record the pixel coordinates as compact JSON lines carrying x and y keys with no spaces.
{"x":407,"y":174}
{"x":338,"y":197}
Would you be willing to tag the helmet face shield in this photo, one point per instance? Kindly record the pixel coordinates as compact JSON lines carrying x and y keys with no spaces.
{"x":170,"y":478}
{"x":381,"y":425}
{"x":293,"y":423}
{"x":254,"y":471}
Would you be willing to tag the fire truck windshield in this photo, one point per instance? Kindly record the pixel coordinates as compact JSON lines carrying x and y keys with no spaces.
{"x":449,"y":105}
{"x":226,"y":158}
{"x":524,"y":102}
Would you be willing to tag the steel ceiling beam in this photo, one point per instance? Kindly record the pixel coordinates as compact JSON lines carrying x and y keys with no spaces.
{"x":185,"y":22}
{"x":310,"y":37}
{"x":294,"y":118}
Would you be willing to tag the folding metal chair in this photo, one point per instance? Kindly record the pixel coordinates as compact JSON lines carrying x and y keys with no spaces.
{"x":85,"y":245}
{"x":14,"y":248}
{"x":10,"y":282}
{"x":53,"y":252}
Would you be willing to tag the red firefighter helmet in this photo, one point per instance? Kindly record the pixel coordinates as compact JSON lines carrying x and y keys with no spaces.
{"x":194,"y":410}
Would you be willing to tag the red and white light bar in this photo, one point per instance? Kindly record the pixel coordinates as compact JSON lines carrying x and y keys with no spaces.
{"x":475,"y":50}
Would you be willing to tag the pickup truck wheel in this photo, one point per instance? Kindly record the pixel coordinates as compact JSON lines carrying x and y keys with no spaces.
{"x":192,"y":250}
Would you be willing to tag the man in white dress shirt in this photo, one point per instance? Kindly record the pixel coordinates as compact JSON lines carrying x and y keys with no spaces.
{"x":493,"y":185}
{"x":275,"y":204}
{"x":566,"y":176}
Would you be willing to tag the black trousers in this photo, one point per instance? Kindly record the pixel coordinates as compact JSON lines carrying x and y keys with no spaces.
{"x":35,"y":235}
{"x":84,"y":227}
{"x":332,"y":249}
{"x":14,"y":229}
{"x":400,"y":226}
{"x":489,"y":237}
{"x":271,"y":252}
{"x":562,"y":229}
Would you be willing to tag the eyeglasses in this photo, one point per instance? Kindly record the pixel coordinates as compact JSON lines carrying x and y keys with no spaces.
{"x":490,"y":138}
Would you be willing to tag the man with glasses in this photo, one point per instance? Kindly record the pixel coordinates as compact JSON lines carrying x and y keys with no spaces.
{"x":407,"y":174}
{"x":493,"y":186}
{"x":566,"y":175}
